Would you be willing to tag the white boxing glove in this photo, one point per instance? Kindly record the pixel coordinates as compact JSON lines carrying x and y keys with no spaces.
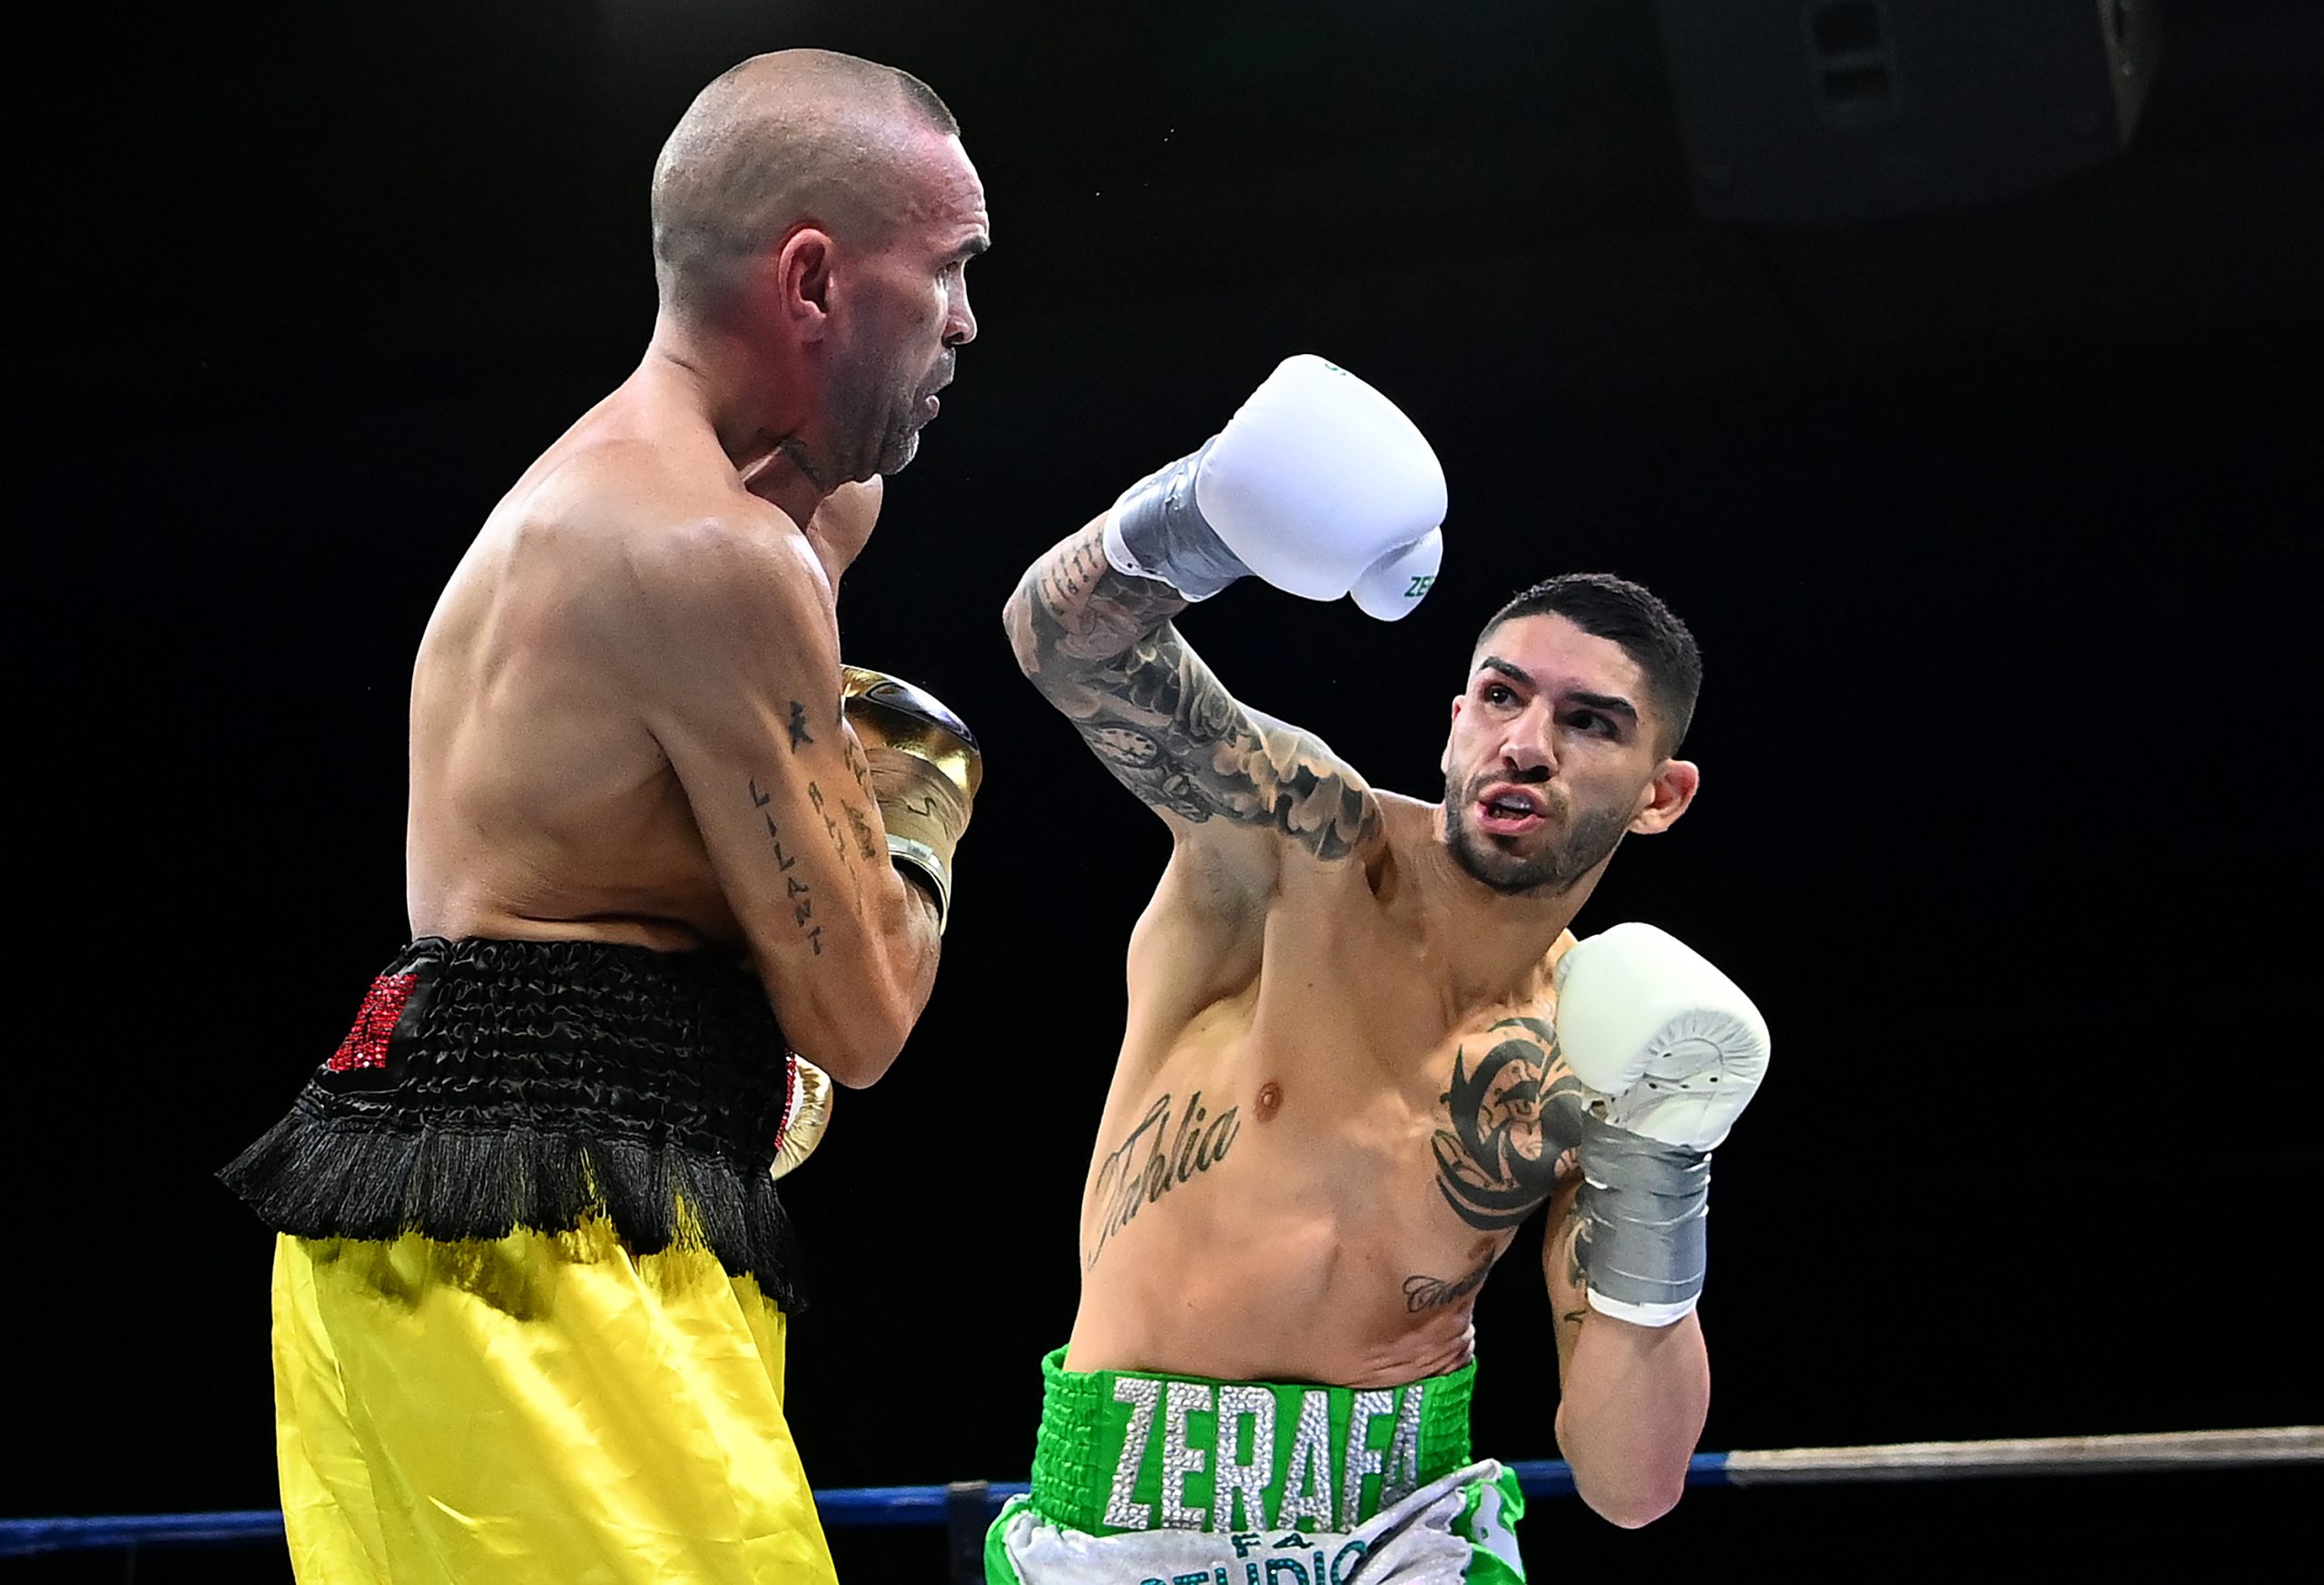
{"x":1673,"y":1044}
{"x":1675,"y":1051}
{"x":1318,"y":485}
{"x":1391,"y":587}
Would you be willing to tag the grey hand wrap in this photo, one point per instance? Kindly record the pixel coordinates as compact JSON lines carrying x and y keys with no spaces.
{"x":1157,"y":532}
{"x":1642,"y":1204}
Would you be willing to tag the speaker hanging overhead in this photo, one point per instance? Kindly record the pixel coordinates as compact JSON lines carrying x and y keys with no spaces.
{"x":1813,"y":111}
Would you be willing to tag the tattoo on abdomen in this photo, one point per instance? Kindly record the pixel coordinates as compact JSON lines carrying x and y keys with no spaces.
{"x":1426,"y":1292}
{"x":1498,"y":1159}
{"x":1155,"y":1159}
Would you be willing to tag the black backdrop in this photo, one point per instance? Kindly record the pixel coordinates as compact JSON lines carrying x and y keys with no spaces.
{"x":1995,"y":525}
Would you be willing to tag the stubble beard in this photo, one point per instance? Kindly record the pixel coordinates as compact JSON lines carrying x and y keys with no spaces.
{"x":1589,"y":837}
{"x":875,"y":415}
{"x":899,"y":436}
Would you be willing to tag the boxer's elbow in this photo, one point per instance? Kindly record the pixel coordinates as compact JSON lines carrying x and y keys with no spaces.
{"x":1627,"y":1483}
{"x":863,"y":1061}
{"x":1033,"y":657}
{"x":853,"y":1022}
{"x":1629,"y":1504}
{"x":1035,"y":630}
{"x":856,"y":1044}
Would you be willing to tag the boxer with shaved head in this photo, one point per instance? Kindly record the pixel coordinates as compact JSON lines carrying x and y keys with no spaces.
{"x":670,"y":869}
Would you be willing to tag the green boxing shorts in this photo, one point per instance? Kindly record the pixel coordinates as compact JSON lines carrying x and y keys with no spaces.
{"x":1160,"y":1479}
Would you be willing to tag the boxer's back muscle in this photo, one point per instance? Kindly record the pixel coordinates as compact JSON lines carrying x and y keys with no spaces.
{"x":540,"y":804}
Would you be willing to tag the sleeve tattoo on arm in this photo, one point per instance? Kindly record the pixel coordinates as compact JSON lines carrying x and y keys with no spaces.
{"x":1100,"y":646}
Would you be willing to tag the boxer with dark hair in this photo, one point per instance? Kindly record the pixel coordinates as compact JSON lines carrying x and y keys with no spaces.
{"x":668,"y":865}
{"x":1363,"y":1046}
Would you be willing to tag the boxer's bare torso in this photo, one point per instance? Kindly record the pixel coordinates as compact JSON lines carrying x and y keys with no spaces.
{"x":541,"y":804}
{"x":625,"y":727}
{"x":1315,"y":1146}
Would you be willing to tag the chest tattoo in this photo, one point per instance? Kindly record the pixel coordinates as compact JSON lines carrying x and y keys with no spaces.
{"x":1498,"y":1159}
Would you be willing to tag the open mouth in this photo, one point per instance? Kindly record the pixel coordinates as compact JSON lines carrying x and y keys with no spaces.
{"x":1506,"y":810}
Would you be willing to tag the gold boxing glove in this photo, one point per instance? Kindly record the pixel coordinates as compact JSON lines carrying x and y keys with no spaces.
{"x":805,"y":1110}
{"x":925,"y":768}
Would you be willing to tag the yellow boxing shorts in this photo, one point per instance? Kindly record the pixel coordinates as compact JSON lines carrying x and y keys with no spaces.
{"x":530,"y":1277}
{"x":539,"y":1407}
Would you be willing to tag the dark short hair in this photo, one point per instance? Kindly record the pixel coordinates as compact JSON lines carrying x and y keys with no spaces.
{"x":1628,"y":615}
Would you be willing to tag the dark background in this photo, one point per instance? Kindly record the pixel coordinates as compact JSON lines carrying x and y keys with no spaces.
{"x":1994,"y":523}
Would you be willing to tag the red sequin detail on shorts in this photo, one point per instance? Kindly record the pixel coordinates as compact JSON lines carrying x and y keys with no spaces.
{"x":790,"y":1095}
{"x":366,"y":1045}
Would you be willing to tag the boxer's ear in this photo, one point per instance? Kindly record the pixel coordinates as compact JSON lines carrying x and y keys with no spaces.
{"x":1667,"y":797}
{"x":801,"y":272}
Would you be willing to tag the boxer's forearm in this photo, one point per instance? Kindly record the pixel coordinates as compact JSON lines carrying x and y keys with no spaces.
{"x":854,"y":1024}
{"x":1630,"y":1412}
{"x":1075,"y":617}
{"x":1631,"y":1399}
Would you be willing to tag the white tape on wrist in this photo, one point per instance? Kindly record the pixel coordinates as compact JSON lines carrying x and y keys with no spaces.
{"x":1642,"y":1314}
{"x":920,"y":860}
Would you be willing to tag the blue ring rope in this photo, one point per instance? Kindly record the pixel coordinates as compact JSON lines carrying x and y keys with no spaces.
{"x":846,"y":1506}
{"x":839,"y":1507}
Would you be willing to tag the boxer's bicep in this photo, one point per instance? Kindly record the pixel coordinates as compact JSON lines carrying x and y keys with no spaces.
{"x":1235,"y":784}
{"x":1219,"y":771}
{"x":743,"y":699}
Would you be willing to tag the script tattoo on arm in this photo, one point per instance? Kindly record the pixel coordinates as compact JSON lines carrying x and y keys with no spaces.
{"x":830,"y":826}
{"x":866,"y":845}
{"x":1498,"y":1159}
{"x":801,"y":896}
{"x":1102,"y":647}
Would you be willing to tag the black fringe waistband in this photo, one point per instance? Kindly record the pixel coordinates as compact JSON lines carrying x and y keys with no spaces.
{"x":492,"y":1085}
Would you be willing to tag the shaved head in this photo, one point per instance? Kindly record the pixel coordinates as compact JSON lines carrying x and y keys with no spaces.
{"x":798,"y":136}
